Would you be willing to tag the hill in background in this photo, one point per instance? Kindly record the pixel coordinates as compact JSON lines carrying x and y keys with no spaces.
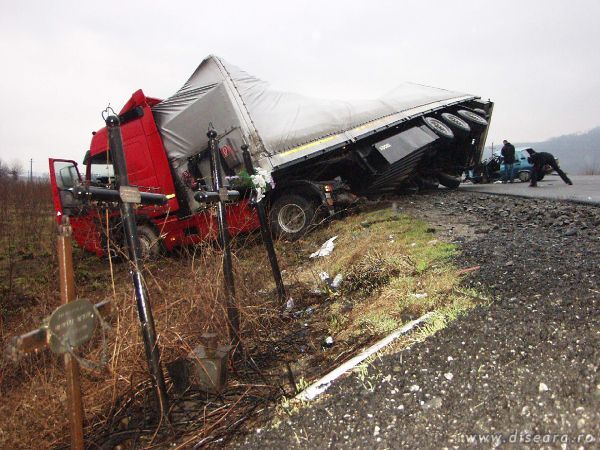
{"x":579,"y":153}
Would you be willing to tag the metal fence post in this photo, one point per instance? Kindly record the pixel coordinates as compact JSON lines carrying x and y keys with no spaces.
{"x":265,"y":232}
{"x":233,"y":314}
{"x":115,"y":144}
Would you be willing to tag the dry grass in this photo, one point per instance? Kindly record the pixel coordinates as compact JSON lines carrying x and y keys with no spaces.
{"x":385,"y":258}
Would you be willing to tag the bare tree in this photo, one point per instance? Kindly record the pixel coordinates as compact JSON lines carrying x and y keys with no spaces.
{"x":3,"y":169}
{"x":16,"y":167}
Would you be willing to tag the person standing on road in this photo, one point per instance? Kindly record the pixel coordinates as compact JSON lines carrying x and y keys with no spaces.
{"x":539,"y":161}
{"x":508,"y":153}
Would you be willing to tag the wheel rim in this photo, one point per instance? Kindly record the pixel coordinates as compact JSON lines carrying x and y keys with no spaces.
{"x":291,"y":218}
{"x":471,"y":116}
{"x":524,"y":176}
{"x":439,"y":127}
{"x":456,"y":121}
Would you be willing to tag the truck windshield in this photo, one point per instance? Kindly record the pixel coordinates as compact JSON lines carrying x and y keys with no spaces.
{"x":101,"y":172}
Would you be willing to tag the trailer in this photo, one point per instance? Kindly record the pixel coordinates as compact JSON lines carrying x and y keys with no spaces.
{"x":414,"y":135}
{"x":319,"y":155}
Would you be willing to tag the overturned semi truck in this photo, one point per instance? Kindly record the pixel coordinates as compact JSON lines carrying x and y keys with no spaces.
{"x":320,"y":154}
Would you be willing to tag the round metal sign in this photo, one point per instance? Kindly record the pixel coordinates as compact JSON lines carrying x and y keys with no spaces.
{"x":71,"y":325}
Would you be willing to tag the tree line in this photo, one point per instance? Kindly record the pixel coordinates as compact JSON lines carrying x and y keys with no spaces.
{"x":11,"y":170}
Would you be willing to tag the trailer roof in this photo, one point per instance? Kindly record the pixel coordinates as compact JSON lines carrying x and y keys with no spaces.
{"x":279,"y":126}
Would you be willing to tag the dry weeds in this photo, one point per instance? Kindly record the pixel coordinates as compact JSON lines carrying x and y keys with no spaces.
{"x":385,"y":258}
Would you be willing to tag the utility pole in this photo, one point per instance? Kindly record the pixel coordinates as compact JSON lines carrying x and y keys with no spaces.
{"x":31,"y":169}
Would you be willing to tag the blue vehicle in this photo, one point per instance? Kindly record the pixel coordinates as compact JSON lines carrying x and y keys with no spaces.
{"x":522,"y":168}
{"x":494,"y":169}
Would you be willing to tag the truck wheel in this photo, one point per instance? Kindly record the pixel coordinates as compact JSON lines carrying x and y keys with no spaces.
{"x":150,"y":244}
{"x":456,"y":123}
{"x":472,"y":118}
{"x":524,"y":176}
{"x":448,"y":180}
{"x":438,"y":127}
{"x":291,"y":216}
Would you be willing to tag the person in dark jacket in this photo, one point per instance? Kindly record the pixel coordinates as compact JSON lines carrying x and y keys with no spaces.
{"x":539,"y":161}
{"x":508,"y":153}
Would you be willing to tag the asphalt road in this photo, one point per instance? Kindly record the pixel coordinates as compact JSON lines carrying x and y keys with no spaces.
{"x":585,"y":189}
{"x":522,"y":372}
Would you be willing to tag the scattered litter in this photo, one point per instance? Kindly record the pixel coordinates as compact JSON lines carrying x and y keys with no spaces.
{"x":328,"y":342}
{"x":448,"y":376}
{"x":376,"y":431}
{"x":325,"y":249}
{"x":337,"y":281}
{"x":289,"y":304}
{"x":433,"y":242}
{"x":543,"y":387}
{"x":414,"y":388}
{"x":420,"y":295}
{"x":414,"y":244}
{"x":450,"y":358}
{"x":324,"y":276}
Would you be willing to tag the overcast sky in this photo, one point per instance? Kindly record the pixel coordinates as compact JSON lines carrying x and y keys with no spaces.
{"x":64,"y":61}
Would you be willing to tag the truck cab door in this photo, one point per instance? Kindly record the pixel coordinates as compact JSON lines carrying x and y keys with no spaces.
{"x":63,"y":176}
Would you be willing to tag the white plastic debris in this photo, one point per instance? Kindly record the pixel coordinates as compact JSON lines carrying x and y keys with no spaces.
{"x":260,"y":181}
{"x":420,"y":295}
{"x":324,"y":276}
{"x":325,"y":249}
{"x":543,"y":387}
{"x":414,"y":388}
{"x":328,"y":341}
{"x":322,"y":384}
{"x":376,"y":431}
{"x":448,"y":376}
{"x":337,"y":281}
{"x":289,"y":304}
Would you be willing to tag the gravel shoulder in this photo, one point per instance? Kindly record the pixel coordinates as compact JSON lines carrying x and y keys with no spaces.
{"x":521,"y":372}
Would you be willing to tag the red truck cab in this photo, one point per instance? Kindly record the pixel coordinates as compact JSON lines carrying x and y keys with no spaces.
{"x":161,"y":226}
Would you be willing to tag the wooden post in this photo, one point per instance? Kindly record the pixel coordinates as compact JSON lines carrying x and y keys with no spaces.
{"x":67,"y":294}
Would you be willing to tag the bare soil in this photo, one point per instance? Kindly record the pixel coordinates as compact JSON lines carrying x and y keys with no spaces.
{"x":521,"y":372}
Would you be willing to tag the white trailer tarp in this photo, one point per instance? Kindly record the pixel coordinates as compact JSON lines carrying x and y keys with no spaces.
{"x":278,"y":126}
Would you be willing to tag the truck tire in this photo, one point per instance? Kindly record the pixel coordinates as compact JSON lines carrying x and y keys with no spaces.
{"x":481,"y":112}
{"x":149,"y":242}
{"x":472,"y":118}
{"x":448,"y":181}
{"x":439,"y":128}
{"x":291,"y":216}
{"x":456,"y":123}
